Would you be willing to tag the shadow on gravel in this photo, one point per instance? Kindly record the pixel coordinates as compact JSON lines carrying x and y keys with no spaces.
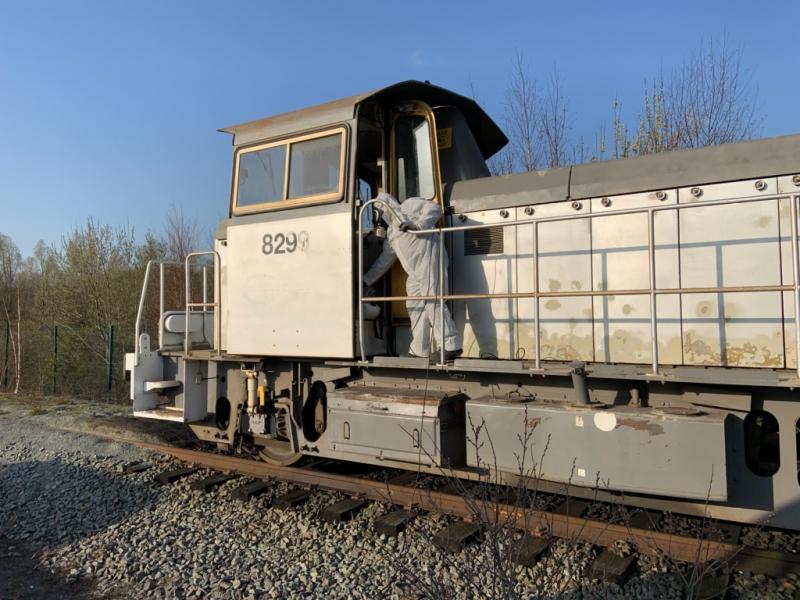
{"x":51,"y":502}
{"x":22,"y":578}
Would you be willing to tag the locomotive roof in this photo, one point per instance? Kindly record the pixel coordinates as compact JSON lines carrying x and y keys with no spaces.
{"x":681,"y":168}
{"x":488,"y":135}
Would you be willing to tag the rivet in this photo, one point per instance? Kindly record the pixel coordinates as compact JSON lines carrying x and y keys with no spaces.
{"x":697,"y":192}
{"x":761,"y":185}
{"x":796,"y":180}
{"x":462,"y":218}
{"x":661,"y":195}
{"x":606,"y":201}
{"x":504,"y":214}
{"x":529,"y":210}
{"x":577,"y":205}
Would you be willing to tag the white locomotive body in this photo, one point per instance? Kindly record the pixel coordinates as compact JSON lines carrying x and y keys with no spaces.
{"x":628,"y":323}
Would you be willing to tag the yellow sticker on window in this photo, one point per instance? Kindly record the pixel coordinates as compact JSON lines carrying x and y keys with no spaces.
{"x":444,"y":138}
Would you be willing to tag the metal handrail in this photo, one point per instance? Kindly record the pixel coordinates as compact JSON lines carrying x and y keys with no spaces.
{"x":205,"y":303}
{"x":140,"y":311}
{"x":652,"y":291}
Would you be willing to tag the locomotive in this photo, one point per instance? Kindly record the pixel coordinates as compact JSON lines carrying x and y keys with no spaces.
{"x":630,"y":326}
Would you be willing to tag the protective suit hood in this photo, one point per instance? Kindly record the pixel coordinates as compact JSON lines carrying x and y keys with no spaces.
{"x":390,"y":209}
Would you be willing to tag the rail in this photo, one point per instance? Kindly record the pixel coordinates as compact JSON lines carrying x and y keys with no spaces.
{"x":536,"y":294}
{"x":564,"y":525}
{"x":205,"y":304}
{"x":140,"y":311}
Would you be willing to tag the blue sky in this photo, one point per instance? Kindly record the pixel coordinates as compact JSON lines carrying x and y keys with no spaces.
{"x":109,"y":109}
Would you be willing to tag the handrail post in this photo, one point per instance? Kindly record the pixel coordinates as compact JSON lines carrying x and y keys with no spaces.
{"x":205,"y":284}
{"x":217,"y":304}
{"x":536,"y":334}
{"x":139,"y":313}
{"x":652,"y":259}
{"x":218,"y":301}
{"x":796,"y":272}
{"x":441,"y":295}
{"x":160,"y":304}
{"x":187,"y":308}
{"x":360,"y":281}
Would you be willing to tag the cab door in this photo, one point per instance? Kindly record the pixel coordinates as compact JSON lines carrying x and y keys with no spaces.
{"x":414,"y":173}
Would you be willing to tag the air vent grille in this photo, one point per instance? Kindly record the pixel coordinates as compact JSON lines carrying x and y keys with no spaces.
{"x":483,"y":241}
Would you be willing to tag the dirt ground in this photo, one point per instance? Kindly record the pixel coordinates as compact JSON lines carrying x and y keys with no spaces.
{"x":111,"y":420}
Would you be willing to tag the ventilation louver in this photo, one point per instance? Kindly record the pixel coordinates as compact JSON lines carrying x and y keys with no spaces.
{"x":483,"y":241}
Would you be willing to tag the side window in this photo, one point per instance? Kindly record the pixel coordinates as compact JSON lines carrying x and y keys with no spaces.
{"x":414,"y":161}
{"x":313,"y":165}
{"x":261,"y":176}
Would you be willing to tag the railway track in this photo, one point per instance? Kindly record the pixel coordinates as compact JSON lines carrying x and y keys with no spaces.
{"x":471,"y":513}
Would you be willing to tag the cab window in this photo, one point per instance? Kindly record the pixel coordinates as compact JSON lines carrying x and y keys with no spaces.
{"x":314,"y":166}
{"x":261,"y":176}
{"x":414,"y":161}
{"x":306,"y":169}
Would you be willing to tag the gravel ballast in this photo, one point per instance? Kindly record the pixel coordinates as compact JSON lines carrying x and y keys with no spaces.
{"x":64,"y":495}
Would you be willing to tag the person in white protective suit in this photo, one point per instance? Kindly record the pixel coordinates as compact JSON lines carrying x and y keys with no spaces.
{"x":419,"y":255}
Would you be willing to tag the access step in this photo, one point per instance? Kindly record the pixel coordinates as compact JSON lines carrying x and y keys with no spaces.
{"x":154,"y":386}
{"x":342,"y":511}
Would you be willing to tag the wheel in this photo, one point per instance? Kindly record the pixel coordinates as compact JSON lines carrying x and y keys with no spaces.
{"x":279,"y":453}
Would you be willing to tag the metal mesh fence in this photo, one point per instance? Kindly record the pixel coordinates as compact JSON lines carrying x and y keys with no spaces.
{"x":82,"y":362}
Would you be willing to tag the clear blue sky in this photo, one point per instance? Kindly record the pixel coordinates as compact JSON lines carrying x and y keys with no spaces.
{"x":109,"y":109}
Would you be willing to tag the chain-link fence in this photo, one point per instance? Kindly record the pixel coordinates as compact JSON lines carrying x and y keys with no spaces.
{"x":83,"y":362}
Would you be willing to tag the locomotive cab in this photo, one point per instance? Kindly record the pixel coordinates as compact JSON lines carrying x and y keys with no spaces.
{"x":298,"y":183}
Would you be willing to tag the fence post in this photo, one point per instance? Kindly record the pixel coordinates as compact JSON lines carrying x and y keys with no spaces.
{"x":5,"y":358}
{"x":55,"y":356}
{"x":110,"y":355}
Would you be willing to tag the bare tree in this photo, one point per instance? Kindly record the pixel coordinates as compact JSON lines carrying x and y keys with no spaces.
{"x":10,"y":266}
{"x":707,"y":100}
{"x":537,"y":123}
{"x":180,"y":235}
{"x":553,"y":122}
{"x":523,"y":118}
{"x":711,"y":97}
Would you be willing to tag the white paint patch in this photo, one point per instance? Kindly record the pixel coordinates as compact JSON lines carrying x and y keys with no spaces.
{"x":605,"y":421}
{"x":581,"y":472}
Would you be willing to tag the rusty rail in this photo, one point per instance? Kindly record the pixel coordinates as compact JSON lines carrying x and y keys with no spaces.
{"x":680,"y":548}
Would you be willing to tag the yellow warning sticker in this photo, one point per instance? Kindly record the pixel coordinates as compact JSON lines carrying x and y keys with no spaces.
{"x":444,"y":138}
